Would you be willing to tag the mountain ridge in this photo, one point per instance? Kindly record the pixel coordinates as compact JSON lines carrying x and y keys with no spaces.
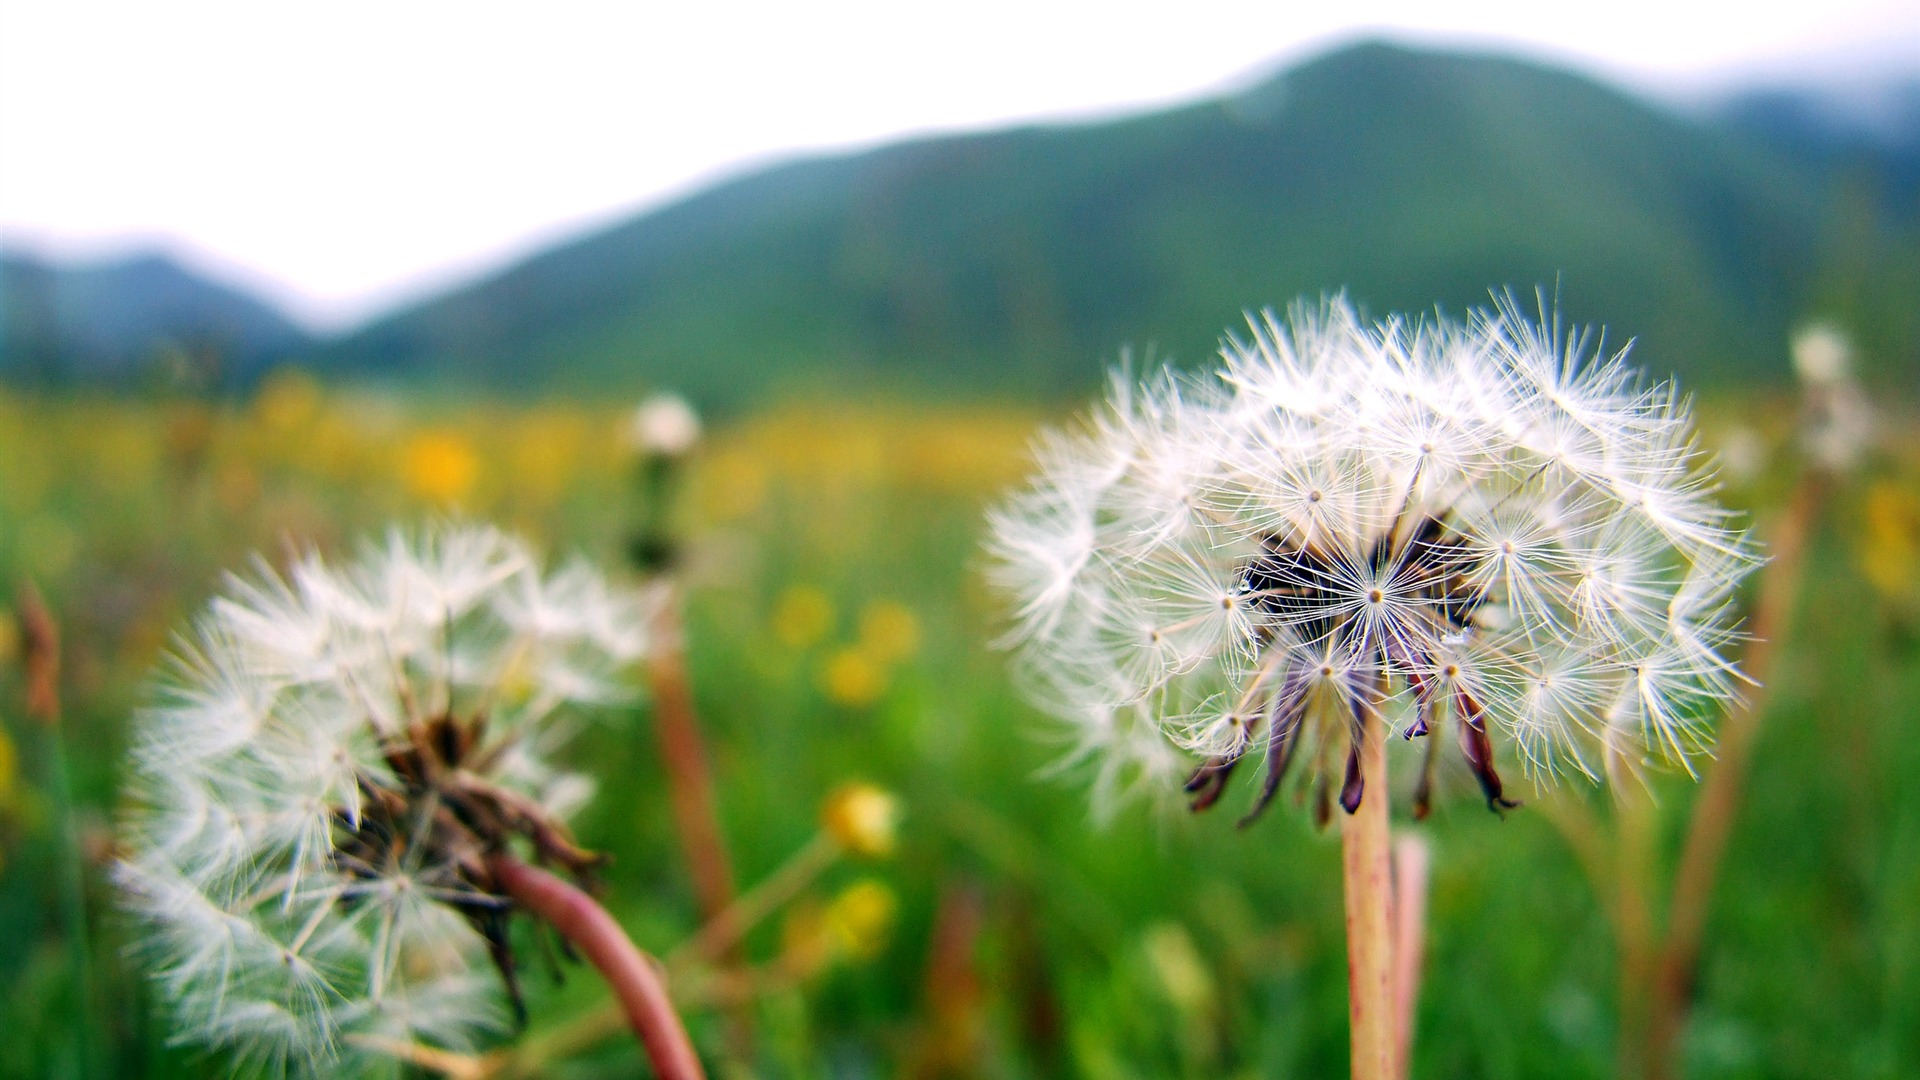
{"x":109,"y":320}
{"x":1025,"y":258}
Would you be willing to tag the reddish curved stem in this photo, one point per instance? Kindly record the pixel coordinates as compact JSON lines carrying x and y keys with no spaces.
{"x":628,"y":972}
{"x":689,"y":781}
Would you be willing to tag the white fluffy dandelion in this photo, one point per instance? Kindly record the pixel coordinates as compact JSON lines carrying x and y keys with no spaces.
{"x":1493,"y":525}
{"x":330,"y":758}
{"x":1837,"y":422}
{"x":664,"y":425}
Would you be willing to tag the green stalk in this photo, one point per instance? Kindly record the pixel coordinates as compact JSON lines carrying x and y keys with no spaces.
{"x":40,"y":634}
{"x":73,"y":902}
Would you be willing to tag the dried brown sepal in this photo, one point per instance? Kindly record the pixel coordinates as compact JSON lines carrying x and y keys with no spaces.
{"x":1423,"y":787}
{"x":1477,"y":747}
{"x":1209,"y":781}
{"x":1354,"y":787}
{"x":1280,"y":748}
{"x":437,"y":808}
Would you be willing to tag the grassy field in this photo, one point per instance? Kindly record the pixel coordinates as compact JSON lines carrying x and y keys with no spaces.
{"x":837,"y":632}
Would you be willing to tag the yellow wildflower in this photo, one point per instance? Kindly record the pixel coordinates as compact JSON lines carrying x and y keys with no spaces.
{"x":861,"y":918}
{"x":862,"y":818}
{"x":889,"y":631}
{"x":1889,"y":546}
{"x":802,"y":616}
{"x":850,"y":677}
{"x":440,"y":466}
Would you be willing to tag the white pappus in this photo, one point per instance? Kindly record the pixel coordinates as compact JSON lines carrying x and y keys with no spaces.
{"x":1489,"y":528}
{"x":327,"y":760}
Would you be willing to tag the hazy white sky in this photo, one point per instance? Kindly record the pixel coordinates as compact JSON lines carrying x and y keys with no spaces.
{"x":344,"y":154}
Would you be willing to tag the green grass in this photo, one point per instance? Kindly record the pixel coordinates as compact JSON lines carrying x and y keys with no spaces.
{"x":1156,"y":946}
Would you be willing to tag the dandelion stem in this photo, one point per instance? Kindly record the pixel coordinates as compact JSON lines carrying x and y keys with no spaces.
{"x":689,"y":781}
{"x":1365,"y":860}
{"x":628,"y":971}
{"x":1635,"y":828}
{"x":735,"y":987}
{"x":1411,"y":861}
{"x":690,"y":788}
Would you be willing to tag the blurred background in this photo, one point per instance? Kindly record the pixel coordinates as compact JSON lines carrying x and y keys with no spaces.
{"x":271,"y":278}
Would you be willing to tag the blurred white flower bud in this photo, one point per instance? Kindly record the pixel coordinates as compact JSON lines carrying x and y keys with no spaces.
{"x":1838,"y":421}
{"x":1821,"y":356}
{"x":664,"y":425}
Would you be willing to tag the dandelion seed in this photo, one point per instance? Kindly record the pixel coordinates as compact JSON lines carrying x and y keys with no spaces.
{"x":328,"y":762}
{"x":1496,"y":525}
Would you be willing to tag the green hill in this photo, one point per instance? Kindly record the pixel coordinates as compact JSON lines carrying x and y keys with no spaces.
{"x":109,"y":321}
{"x":1020,"y":261}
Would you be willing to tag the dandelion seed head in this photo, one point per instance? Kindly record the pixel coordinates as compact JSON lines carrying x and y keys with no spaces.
{"x":664,"y":425}
{"x":1838,"y":421}
{"x":1497,"y":523}
{"x":314,"y":777}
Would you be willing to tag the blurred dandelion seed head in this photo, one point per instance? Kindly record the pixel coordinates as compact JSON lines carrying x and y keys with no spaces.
{"x":664,"y":425}
{"x":328,"y":759}
{"x":1838,"y":423}
{"x":1821,"y":354}
{"x":1494,"y":526}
